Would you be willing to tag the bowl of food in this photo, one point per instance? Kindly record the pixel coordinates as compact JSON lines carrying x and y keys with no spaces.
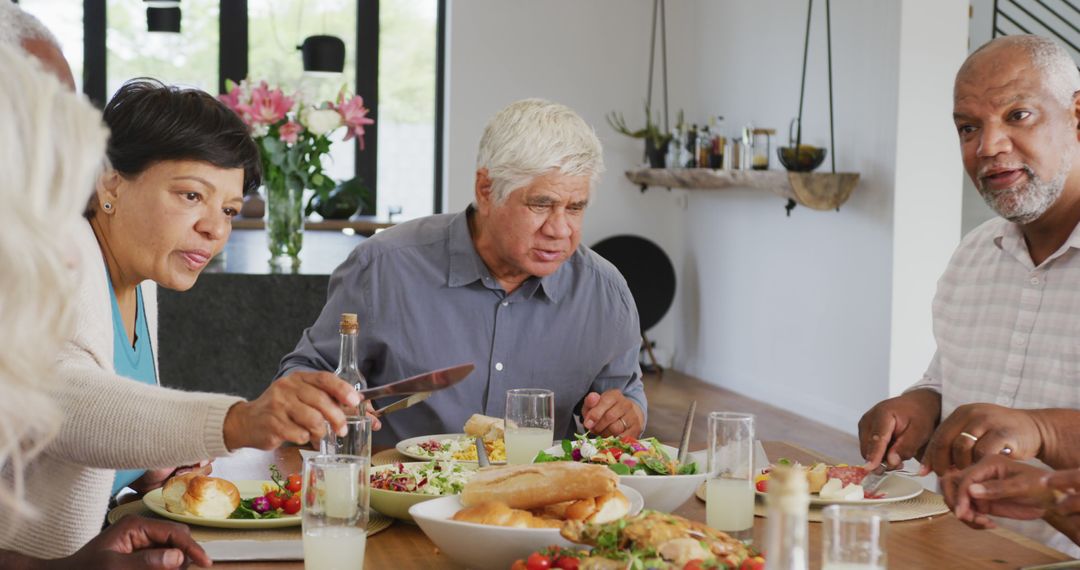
{"x":398,"y":486}
{"x":504,"y":513}
{"x":802,"y":158}
{"x":645,"y":465}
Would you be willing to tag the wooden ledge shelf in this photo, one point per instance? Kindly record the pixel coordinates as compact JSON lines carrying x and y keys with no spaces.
{"x":815,"y":190}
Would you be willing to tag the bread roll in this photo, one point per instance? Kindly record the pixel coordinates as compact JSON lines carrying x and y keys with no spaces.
{"x":816,"y":477}
{"x":539,"y":485}
{"x":200,"y":496}
{"x":602,"y":509}
{"x":486,"y":427}
{"x":499,"y":514}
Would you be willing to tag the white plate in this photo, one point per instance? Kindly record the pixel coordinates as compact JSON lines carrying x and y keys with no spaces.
{"x":895,"y":487}
{"x":404,"y":444}
{"x":248,"y":489}
{"x":483,"y":547}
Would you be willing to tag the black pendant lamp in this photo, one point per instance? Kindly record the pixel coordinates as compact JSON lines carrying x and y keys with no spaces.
{"x":163,"y":16}
{"x":325,"y":54}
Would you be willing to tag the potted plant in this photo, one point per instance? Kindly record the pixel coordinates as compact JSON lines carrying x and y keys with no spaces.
{"x":656,"y":141}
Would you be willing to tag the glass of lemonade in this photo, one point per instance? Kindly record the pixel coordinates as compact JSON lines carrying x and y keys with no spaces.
{"x":853,"y":538}
{"x":335,"y":511}
{"x":729,"y":489}
{"x":357,"y":440}
{"x":530,"y":423}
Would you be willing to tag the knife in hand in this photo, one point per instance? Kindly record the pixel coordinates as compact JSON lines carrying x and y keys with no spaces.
{"x":402,"y":404}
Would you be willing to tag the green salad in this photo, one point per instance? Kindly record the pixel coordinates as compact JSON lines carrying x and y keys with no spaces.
{"x":623,"y":455}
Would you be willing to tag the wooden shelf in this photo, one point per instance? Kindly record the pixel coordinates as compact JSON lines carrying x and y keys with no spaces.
{"x":815,"y":190}
{"x":364,"y":227}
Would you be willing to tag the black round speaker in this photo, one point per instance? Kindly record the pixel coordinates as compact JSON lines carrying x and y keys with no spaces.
{"x":648,"y":272}
{"x":323,"y":53}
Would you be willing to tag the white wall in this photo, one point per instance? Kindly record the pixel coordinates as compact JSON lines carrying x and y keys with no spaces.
{"x":927,"y":195}
{"x":591,"y":56}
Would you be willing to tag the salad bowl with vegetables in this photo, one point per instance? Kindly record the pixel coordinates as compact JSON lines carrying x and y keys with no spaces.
{"x":398,"y":486}
{"x":647,"y":465}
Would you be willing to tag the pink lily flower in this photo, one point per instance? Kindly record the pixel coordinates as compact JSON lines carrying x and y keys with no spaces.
{"x":290,"y":132}
{"x":354,"y":115}
{"x":267,"y":106}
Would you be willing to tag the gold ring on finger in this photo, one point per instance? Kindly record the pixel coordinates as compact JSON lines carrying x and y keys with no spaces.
{"x":969,"y":436}
{"x":625,"y":426}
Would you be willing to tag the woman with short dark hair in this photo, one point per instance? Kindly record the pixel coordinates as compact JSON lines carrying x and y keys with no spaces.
{"x":180,"y":164}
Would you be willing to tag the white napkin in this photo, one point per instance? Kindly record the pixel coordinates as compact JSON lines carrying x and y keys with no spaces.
{"x":232,"y":550}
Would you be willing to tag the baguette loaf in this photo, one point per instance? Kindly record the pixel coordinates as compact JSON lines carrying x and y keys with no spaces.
{"x":539,"y":485}
{"x":602,"y":509}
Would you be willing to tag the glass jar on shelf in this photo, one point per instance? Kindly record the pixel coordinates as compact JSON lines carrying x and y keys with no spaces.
{"x":761,"y":148}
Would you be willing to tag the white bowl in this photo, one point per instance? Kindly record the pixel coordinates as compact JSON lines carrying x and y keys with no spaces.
{"x":663,"y":493}
{"x":484,"y":547}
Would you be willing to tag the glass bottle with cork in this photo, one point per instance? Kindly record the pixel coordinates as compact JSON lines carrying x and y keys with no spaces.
{"x":760,"y":148}
{"x":348,"y":358}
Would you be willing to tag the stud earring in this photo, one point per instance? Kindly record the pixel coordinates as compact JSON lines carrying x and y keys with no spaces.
{"x":107,"y":206}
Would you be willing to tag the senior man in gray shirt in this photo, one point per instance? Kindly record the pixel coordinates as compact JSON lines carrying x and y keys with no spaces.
{"x":504,"y":284}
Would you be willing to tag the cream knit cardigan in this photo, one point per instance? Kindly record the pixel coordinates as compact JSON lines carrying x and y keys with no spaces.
{"x":110,"y":422}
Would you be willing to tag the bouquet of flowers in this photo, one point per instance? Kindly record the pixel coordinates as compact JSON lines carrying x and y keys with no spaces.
{"x":293,"y":137}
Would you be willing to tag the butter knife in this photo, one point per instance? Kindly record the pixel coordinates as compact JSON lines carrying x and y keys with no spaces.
{"x":402,"y":404}
{"x":684,"y":442}
{"x":481,"y":453}
{"x":874,"y":479}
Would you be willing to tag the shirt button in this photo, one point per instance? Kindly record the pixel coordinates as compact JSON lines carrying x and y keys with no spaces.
{"x":1018,"y":341}
{"x":506,"y":303}
{"x":1034,"y":280}
{"x":498,"y":366}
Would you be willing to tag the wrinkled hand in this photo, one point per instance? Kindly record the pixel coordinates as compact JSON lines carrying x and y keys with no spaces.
{"x":1065,"y":514}
{"x":994,"y":427}
{"x":137,"y":542}
{"x":896,"y":429}
{"x":997,"y":486}
{"x":612,"y":413}
{"x":155,"y":478}
{"x":294,"y":409}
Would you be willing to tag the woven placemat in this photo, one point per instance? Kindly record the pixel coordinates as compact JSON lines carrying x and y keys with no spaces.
{"x":927,"y":504}
{"x":377,"y":522}
{"x":388,"y":456}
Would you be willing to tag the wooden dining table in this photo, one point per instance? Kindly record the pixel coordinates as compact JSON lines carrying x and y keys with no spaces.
{"x":929,"y":543}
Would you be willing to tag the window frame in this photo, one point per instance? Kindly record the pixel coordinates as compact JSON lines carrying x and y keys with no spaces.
{"x":233,"y":64}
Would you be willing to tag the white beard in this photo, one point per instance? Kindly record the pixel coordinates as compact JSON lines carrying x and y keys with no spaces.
{"x":1027,"y":202}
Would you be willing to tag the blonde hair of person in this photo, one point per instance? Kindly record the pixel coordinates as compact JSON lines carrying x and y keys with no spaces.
{"x":52,"y":144}
{"x":531,"y":137}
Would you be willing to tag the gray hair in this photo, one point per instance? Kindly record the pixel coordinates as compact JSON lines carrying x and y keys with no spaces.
{"x":17,"y":25}
{"x":1047,"y":55}
{"x":52,"y":142}
{"x":532,"y":137}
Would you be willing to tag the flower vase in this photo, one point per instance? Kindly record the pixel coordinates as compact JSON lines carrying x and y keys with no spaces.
{"x":284,"y":223}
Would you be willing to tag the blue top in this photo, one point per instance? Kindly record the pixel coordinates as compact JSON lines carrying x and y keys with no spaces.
{"x":135,"y":363}
{"x":426,"y":300}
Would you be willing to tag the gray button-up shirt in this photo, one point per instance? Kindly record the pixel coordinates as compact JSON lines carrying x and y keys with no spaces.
{"x":426,"y":301}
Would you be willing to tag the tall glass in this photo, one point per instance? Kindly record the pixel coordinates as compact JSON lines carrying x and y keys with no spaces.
{"x":729,"y":490}
{"x":530,"y":423}
{"x":853,"y":538}
{"x":357,"y":440}
{"x":335,"y":511}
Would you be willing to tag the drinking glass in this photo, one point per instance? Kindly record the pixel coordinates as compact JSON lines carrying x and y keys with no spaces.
{"x":335,"y":511}
{"x":357,"y":440}
{"x":853,"y":538}
{"x":729,"y":494}
{"x":530,"y":423}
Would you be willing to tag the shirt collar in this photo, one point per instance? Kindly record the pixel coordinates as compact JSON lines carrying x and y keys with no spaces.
{"x":466,"y":266}
{"x":1009,"y":238}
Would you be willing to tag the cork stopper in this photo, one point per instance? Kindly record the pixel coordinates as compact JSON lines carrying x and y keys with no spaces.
{"x":349,"y":324}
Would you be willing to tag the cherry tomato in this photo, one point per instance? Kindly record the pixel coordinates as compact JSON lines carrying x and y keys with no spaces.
{"x":567,"y":563}
{"x":538,"y":561}
{"x":616,"y":453}
{"x":292,"y":505}
{"x":293,"y":484}
{"x":693,"y":565}
{"x":755,"y":563}
{"x":519,"y":565}
{"x":276,"y":500}
{"x":762,"y":486}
